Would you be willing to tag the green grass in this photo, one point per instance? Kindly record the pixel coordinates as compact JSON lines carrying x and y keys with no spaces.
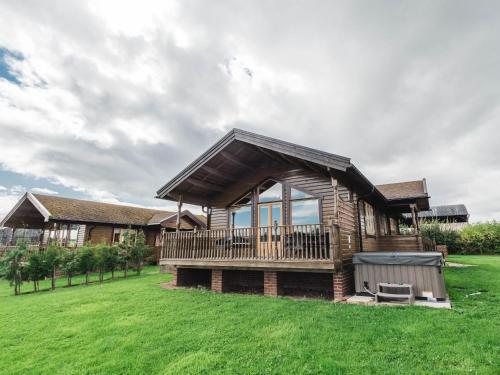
{"x":134,"y":326}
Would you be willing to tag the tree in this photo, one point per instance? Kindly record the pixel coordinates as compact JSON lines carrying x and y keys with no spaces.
{"x":36,"y":268}
{"x":139,"y":251}
{"x":86,"y":261}
{"x":124,"y":251}
{"x":70,"y":264}
{"x":12,"y":266}
{"x":111,"y":259}
{"x":100,"y":256}
{"x":52,"y":259}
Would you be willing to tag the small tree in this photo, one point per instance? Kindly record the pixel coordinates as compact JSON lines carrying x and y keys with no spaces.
{"x":111,"y":259}
{"x":70,"y":264}
{"x":139,"y":251}
{"x":101,"y":255}
{"x":36,"y":268}
{"x":124,"y":252}
{"x":12,"y":266}
{"x":52,"y":258}
{"x":86,"y":261}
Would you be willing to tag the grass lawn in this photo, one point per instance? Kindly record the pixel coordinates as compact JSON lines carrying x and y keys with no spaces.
{"x":134,"y":326}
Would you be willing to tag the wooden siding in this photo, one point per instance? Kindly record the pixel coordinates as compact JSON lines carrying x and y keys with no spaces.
{"x":100,"y":234}
{"x":348,"y":224}
{"x":219,"y":219}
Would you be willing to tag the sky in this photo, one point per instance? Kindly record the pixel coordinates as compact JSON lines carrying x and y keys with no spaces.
{"x":108,"y":100}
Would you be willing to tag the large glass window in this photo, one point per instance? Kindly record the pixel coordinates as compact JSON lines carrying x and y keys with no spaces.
{"x":304,"y":208}
{"x":241,"y":216}
{"x":270,"y":191}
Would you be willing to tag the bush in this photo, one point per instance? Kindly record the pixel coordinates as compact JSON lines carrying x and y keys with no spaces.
{"x":139,"y":252}
{"x":70,"y":264}
{"x":482,"y":238}
{"x":86,"y":261}
{"x":448,"y":237}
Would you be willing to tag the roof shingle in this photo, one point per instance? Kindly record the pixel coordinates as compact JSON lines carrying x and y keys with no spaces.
{"x":96,"y":212}
{"x":403,"y":190}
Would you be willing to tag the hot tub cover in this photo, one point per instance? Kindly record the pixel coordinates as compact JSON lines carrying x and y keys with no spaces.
{"x":399,"y":258}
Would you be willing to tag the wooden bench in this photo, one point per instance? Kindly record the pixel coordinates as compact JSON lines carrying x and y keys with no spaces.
{"x":400,"y":292}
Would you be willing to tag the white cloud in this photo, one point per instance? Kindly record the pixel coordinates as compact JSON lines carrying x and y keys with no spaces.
{"x":117,"y":97}
{"x":44,"y":191}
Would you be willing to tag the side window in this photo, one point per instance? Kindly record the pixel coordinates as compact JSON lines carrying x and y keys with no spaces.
{"x":384,"y":227}
{"x":369,"y":220}
{"x":304,"y":208}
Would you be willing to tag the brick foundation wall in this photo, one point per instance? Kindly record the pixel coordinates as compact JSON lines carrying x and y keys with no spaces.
{"x":305,"y":284}
{"x":343,"y":284}
{"x":191,"y":277}
{"x":243,"y":281}
{"x":270,"y":283}
{"x":217,"y":281}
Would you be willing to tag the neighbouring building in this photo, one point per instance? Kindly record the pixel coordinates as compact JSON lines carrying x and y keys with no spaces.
{"x":284,"y":218}
{"x":451,"y":216}
{"x":42,"y":219}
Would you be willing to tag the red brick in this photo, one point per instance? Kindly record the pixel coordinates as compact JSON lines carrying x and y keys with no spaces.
{"x":217,"y":280}
{"x":343,"y":284}
{"x":270,"y":283}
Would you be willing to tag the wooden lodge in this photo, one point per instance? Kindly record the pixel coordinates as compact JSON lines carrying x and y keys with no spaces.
{"x":74,"y":222}
{"x":283,"y":218}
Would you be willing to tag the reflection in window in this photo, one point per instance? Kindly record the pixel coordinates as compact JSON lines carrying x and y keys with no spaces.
{"x":241,"y":217}
{"x":270,"y":191}
{"x":297,"y":194}
{"x":305,"y":211}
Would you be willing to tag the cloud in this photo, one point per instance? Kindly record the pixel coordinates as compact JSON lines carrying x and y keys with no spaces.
{"x":44,"y":191}
{"x":112,"y":99}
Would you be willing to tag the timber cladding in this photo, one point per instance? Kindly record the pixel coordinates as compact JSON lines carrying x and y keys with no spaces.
{"x":99,"y":234}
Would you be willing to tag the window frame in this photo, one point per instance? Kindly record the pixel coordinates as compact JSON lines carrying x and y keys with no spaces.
{"x":368,"y":218}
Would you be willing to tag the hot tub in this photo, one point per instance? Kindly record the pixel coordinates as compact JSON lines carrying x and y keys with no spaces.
{"x":423,"y":270}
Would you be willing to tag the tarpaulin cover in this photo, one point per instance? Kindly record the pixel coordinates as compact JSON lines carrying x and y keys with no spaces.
{"x":399,"y":258}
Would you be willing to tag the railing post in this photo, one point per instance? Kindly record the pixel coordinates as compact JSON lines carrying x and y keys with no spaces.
{"x":193,"y":251}
{"x":231,"y":241}
{"x":275,"y":227}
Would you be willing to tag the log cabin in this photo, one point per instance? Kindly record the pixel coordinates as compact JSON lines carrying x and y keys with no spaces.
{"x":284,"y":219}
{"x":73,"y":222}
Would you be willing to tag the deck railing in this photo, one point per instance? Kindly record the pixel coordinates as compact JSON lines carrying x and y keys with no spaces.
{"x":278,"y":242}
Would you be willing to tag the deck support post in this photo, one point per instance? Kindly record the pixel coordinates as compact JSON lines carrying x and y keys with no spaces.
{"x":217,"y":280}
{"x":271,"y":283}
{"x":343,"y":284}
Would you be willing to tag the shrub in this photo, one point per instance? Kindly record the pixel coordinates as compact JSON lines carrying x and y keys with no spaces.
{"x":125,"y":251}
{"x":86,"y":261}
{"x":70,"y":264}
{"x":13,"y":268}
{"x":482,"y":238}
{"x":36,"y":268}
{"x":139,"y":251}
{"x":52,"y":258}
{"x":450,"y":238}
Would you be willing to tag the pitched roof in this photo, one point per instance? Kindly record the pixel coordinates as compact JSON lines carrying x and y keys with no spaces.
{"x":160,"y":218}
{"x":403,"y":190}
{"x":447,"y":210}
{"x":70,"y":209}
{"x":306,"y":153}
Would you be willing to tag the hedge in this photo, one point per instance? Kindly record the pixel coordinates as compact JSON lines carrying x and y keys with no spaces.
{"x":481,"y":238}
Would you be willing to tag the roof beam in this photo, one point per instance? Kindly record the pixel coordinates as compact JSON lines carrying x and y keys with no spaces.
{"x":205,"y":185}
{"x":229,"y":157}
{"x":216,"y":172}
